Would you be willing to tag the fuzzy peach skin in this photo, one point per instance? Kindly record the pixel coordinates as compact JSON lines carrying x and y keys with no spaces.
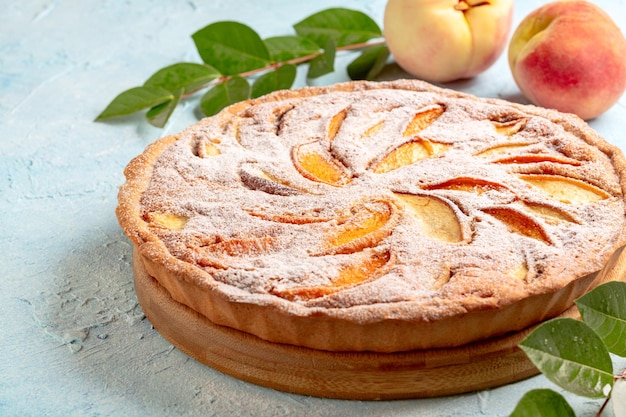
{"x":570,"y":56}
{"x":447,"y":40}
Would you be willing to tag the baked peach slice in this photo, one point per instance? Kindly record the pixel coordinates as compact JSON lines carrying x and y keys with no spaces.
{"x":166,"y":220}
{"x":503,"y":148}
{"x":467,"y":184}
{"x":373,"y":129}
{"x":537,"y":158}
{"x":434,"y":216}
{"x":414,"y":150}
{"x":509,"y":127}
{"x":366,"y":267}
{"x":524,"y":158}
{"x":279,"y":117}
{"x":423,"y":119}
{"x":315,"y":162}
{"x":243,"y":246}
{"x":226,"y":253}
{"x":257,"y":179}
{"x":518,"y":222}
{"x":407,"y":154}
{"x":551,"y":215}
{"x":208,"y":149}
{"x":335,"y":124}
{"x":301,"y":217}
{"x":519,"y":272}
{"x":369,"y":224}
{"x":565,"y":189}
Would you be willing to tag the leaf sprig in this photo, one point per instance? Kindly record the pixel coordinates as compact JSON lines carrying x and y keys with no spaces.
{"x":238,"y":64}
{"x":575,"y":355}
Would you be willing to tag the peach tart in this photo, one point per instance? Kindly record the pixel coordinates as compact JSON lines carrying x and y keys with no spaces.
{"x":384,"y":217}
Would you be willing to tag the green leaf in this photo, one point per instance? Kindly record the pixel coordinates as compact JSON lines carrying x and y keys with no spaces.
{"x":604,"y":310}
{"x":185,"y":75}
{"x":344,"y":26}
{"x":369,"y":64}
{"x":285,"y":48}
{"x":234,"y":90}
{"x":280,"y":79}
{"x":572,"y":355}
{"x":231,"y":47}
{"x":159,"y":115}
{"x":543,"y":403}
{"x":135,"y":99}
{"x":324,"y":63}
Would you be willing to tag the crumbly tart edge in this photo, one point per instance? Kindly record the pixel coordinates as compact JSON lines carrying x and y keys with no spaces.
{"x":334,"y":330}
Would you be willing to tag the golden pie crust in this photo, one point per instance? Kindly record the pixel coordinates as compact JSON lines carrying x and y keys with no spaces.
{"x":383,"y":217}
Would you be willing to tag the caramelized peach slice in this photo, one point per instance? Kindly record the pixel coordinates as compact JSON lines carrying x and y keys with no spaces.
{"x":248,"y":246}
{"x":314,"y":162}
{"x":167,"y":220}
{"x":499,"y":149}
{"x":335,"y":124}
{"x":290,"y":218}
{"x":517,"y":222}
{"x":208,"y":149}
{"x":536,"y":158}
{"x":233,"y":127}
{"x":551,"y":215}
{"x":565,"y":189}
{"x":367,"y":267}
{"x":280,"y":116}
{"x":367,"y":226}
{"x":373,"y":129}
{"x":256,"y":179}
{"x":223,"y":253}
{"x":434,"y":217}
{"x":509,"y":127}
{"x":520,"y":272}
{"x":442,"y":279}
{"x":408,"y":153}
{"x":473,"y":185}
{"x":423,"y":119}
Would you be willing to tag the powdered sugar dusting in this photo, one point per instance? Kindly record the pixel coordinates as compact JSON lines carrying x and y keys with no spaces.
{"x":260,"y":224}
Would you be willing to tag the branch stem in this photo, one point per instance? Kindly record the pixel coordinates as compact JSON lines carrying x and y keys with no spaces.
{"x":294,"y":61}
{"x":604,"y":404}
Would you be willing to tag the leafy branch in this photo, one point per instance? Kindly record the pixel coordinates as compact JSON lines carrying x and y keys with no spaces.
{"x":575,"y":355}
{"x":237,"y":64}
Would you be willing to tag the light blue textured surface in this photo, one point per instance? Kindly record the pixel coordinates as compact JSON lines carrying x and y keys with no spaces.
{"x":73,"y":341}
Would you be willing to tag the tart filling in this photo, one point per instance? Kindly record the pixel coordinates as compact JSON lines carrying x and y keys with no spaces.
{"x":377,"y":216}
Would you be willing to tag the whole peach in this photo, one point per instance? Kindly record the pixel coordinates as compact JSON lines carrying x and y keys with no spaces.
{"x":447,"y":40}
{"x":570,"y":56}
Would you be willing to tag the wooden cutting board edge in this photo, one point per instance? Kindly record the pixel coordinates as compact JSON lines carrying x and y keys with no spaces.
{"x":340,"y":375}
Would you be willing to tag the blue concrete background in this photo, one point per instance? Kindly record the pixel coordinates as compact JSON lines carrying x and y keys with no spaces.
{"x":73,"y":340}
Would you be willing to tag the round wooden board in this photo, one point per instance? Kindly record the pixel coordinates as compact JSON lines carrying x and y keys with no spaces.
{"x":343,"y":375}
